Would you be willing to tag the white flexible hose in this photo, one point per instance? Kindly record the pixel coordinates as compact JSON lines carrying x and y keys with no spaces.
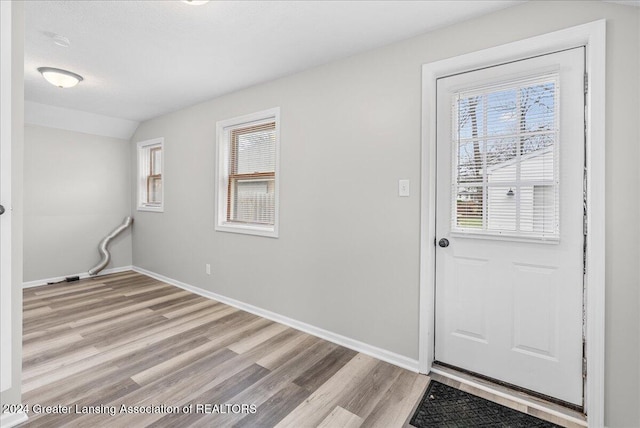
{"x":102,"y":248}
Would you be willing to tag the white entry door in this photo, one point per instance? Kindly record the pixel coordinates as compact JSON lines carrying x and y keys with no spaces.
{"x":509,"y":223}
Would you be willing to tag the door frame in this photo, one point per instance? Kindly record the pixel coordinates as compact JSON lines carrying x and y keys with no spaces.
{"x":593,"y":37}
{"x":6,"y":133}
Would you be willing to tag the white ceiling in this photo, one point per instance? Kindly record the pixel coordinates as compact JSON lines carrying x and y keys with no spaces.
{"x":141,"y":59}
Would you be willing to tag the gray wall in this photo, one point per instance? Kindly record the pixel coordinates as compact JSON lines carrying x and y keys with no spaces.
{"x":77,"y":188}
{"x":347,"y":259}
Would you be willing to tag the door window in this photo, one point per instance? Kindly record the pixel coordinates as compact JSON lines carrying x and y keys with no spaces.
{"x":505,"y":148}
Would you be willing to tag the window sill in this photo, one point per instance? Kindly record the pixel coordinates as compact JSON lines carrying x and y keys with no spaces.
{"x":268,"y":231}
{"x":151,"y":209}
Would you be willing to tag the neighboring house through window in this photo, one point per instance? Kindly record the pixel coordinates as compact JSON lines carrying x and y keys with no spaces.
{"x":506,"y":148}
{"x":247,"y":180}
{"x":150,"y":169}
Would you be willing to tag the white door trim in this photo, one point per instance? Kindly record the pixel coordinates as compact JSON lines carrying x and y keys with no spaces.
{"x":593,"y":37}
{"x":6,"y":133}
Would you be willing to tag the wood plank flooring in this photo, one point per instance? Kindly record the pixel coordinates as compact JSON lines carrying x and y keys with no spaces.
{"x":93,"y":346}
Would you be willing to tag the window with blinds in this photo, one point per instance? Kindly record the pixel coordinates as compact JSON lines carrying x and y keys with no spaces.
{"x":252,"y":165}
{"x":150,"y":166}
{"x":505,"y":145}
{"x":248,"y":150}
{"x":154,"y":179}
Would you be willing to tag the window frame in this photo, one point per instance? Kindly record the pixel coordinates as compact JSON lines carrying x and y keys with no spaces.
{"x":224,"y":176}
{"x":485,"y":232}
{"x":145,"y":151}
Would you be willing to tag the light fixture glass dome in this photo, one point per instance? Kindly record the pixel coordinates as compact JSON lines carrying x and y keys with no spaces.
{"x":60,"y":78}
{"x":195,"y":2}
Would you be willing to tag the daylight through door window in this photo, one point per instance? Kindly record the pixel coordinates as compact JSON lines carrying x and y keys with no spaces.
{"x":505,"y":152}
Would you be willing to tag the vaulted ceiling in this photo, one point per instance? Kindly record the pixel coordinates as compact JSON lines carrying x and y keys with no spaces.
{"x":141,"y":59}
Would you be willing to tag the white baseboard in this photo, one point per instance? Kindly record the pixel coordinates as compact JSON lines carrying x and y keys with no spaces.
{"x":365,"y":348}
{"x":8,"y":420}
{"x":82,"y":275}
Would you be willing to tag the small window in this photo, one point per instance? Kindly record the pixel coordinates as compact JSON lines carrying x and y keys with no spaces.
{"x":150,"y":168}
{"x":247,"y":184}
{"x":505,"y":148}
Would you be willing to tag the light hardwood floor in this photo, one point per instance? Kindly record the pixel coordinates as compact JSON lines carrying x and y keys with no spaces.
{"x":127,"y":339}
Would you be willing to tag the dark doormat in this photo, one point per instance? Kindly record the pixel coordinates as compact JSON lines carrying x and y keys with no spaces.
{"x":447,"y":407}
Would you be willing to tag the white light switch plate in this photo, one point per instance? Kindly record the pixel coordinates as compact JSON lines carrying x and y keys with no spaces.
{"x":403,"y":187}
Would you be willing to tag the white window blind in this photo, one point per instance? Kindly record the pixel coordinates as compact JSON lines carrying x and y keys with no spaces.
{"x":505,"y":152}
{"x":251,"y":193}
{"x":154,"y":179}
{"x":150,"y":180}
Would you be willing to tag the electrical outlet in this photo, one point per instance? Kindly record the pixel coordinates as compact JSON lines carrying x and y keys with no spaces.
{"x":207,"y":268}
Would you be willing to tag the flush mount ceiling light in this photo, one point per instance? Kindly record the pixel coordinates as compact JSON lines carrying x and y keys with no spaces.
{"x":195,"y":2}
{"x":60,"y":78}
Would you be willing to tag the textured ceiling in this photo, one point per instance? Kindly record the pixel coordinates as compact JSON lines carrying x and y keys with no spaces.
{"x":141,"y":59}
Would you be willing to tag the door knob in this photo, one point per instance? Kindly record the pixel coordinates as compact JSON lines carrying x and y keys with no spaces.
{"x":1,"y":210}
{"x":444,"y":242}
